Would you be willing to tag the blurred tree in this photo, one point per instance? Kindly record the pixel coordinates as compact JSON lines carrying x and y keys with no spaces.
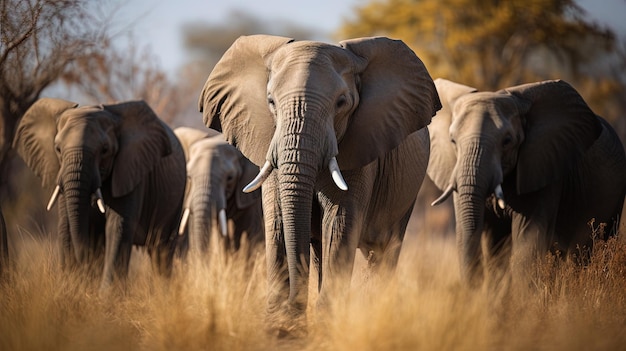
{"x":39,"y":42}
{"x":205,"y":43}
{"x":68,"y":49}
{"x":490,"y":44}
{"x":113,"y":74}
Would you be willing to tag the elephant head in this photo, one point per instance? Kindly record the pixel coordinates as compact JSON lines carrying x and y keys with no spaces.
{"x":216,"y":173}
{"x":81,"y":149}
{"x":305,"y":110}
{"x":530,"y":136}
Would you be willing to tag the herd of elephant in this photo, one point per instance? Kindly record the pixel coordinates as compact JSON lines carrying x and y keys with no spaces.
{"x":318,"y":150}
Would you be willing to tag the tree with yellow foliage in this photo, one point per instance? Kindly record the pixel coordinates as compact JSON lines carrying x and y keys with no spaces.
{"x":491,"y":44}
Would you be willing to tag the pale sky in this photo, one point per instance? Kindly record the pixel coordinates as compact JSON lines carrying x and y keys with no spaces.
{"x":158,"y":23}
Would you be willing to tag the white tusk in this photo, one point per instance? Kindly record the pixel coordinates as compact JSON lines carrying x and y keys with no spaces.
{"x":500,"y":196}
{"x":183,"y":222}
{"x":259,"y":179}
{"x":444,"y":196}
{"x":53,"y":198}
{"x":99,"y":200}
{"x":223,"y":225}
{"x":336,"y":174}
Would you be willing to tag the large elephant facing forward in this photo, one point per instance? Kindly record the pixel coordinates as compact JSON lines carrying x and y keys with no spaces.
{"x":531,"y":163}
{"x":119,"y":173}
{"x":304,"y":110}
{"x":216,"y":173}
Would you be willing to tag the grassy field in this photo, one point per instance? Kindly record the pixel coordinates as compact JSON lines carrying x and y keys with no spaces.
{"x":220,"y":306}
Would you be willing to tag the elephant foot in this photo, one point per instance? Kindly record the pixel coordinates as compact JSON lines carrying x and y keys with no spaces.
{"x":288,"y":332}
{"x":287,"y":324}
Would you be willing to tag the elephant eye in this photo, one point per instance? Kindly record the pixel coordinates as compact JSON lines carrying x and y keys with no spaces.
{"x":271,"y":103}
{"x":507,"y":140}
{"x":342,"y":101}
{"x":105,"y":149}
{"x":57,"y":148}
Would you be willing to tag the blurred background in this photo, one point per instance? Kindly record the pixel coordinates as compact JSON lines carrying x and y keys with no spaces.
{"x":162,"y":51}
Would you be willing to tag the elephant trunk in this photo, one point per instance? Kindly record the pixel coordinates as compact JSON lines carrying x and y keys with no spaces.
{"x":77,"y":180}
{"x":207,"y":201}
{"x":302,"y":149}
{"x":473,"y":185}
{"x":296,"y":193}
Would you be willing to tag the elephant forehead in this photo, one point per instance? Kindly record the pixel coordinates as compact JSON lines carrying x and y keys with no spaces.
{"x":212,"y":147}
{"x":310,"y":53}
{"x":485,"y":105}
{"x":87,"y":120}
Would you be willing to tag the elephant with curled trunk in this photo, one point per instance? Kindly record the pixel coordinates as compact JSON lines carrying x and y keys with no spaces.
{"x":531,"y":164}
{"x":119,"y":178}
{"x":339,"y":133}
{"x":216,"y":173}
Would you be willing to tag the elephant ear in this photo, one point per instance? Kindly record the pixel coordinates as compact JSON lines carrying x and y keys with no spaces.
{"x":397,"y":97}
{"x":187,"y":136}
{"x":34,"y":137}
{"x":248,"y":171}
{"x":143,"y":141}
{"x":559,"y":128}
{"x":234,"y":97}
{"x":442,"y":155}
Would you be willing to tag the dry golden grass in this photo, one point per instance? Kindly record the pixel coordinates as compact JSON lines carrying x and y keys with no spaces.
{"x":220,"y":306}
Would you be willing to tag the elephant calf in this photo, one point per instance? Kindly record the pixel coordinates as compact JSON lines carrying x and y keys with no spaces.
{"x":217,"y":173}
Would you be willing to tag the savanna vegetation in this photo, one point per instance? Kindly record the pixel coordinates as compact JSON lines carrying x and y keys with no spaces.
{"x":219,"y":304}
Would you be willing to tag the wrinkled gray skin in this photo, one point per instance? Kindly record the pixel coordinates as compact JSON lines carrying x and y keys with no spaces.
{"x":295,"y":105}
{"x":559,"y":166}
{"x":216,"y":173}
{"x":126,"y":152}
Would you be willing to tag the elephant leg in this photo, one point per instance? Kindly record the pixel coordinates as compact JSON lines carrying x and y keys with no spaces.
{"x":316,"y":244}
{"x":496,"y":241}
{"x":163,"y":243}
{"x":532,"y":234}
{"x":118,"y":247}
{"x":526,"y":248}
{"x":385,"y":259}
{"x":162,"y":256}
{"x":339,"y":242}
